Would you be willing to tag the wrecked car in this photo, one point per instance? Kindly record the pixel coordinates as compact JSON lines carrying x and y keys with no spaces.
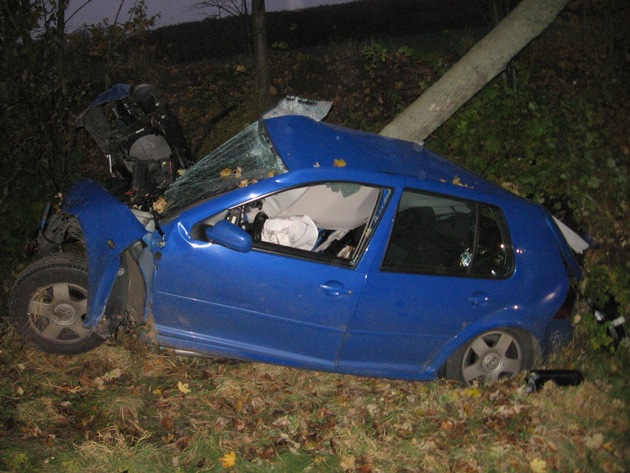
{"x":141,"y":139}
{"x":310,"y":245}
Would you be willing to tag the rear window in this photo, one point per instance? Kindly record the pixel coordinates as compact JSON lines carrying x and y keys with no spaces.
{"x":441,"y":235}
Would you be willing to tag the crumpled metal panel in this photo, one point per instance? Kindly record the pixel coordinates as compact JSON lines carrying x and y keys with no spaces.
{"x":109,"y":228}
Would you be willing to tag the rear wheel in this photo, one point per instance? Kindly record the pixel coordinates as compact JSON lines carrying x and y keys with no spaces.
{"x":49,"y":305}
{"x":500,"y":353}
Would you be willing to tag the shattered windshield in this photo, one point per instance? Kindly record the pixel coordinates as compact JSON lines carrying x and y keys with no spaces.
{"x":243,"y":160}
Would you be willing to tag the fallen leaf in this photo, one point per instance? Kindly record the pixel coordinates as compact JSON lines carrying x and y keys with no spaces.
{"x":99,"y":383}
{"x":594,"y":442}
{"x":167,"y":423}
{"x":365,"y":468}
{"x":473,"y":391}
{"x":228,"y":460}
{"x":183,"y":387}
{"x":113,"y":374}
{"x":458,"y":182}
{"x":348,"y":463}
{"x":428,"y":445}
{"x":447,"y":425}
{"x":183,"y":442}
{"x":538,"y":466}
{"x":159,"y":205}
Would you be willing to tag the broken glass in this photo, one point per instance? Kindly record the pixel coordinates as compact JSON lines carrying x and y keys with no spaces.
{"x":244,"y":159}
{"x":315,"y":109}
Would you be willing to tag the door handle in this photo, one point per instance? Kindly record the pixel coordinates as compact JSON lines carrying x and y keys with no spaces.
{"x":479,"y":299}
{"x":335,"y":289}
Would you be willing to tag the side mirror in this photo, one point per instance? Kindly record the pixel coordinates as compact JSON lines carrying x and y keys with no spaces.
{"x":226,"y":234}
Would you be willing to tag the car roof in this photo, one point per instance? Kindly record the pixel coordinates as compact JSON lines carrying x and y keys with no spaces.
{"x":305,"y":143}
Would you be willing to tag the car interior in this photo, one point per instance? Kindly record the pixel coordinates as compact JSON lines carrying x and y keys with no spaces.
{"x":438,"y":235}
{"x":328,"y":219}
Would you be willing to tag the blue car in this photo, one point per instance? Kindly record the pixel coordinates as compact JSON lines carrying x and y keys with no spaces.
{"x":314,"y":246}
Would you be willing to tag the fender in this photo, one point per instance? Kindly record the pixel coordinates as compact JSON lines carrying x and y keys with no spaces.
{"x":508,"y":317}
{"x":109,"y":228}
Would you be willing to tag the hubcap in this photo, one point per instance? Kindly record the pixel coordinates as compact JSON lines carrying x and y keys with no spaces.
{"x":491,"y":356}
{"x":57,"y":311}
{"x":64,"y":314}
{"x":491,"y":361}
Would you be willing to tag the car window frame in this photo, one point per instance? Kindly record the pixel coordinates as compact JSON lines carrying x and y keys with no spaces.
{"x":501,"y":223}
{"x":384,"y":197}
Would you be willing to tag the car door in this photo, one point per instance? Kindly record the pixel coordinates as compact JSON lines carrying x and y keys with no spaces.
{"x":277,"y":302}
{"x":446,"y":263}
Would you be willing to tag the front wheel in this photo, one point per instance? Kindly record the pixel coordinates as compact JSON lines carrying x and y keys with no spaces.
{"x":500,"y":353}
{"x":49,"y":305}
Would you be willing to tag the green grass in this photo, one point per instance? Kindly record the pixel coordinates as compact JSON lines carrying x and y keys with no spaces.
{"x":123,"y":408}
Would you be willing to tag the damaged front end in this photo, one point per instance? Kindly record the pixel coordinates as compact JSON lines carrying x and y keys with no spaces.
{"x":141,"y":138}
{"x":120,"y":266}
{"x":73,"y":298}
{"x":119,"y":234}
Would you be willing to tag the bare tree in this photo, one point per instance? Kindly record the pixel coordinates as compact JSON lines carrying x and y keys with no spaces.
{"x":228,"y":8}
{"x":218,"y":8}
{"x":472,"y":72}
{"x":261,"y":54}
{"x":256,"y":32}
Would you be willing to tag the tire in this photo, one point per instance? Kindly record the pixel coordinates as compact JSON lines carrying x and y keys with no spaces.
{"x":49,"y":304}
{"x":500,"y":353}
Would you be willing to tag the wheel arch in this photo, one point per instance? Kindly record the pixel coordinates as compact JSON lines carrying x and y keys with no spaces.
{"x":507,"y":321}
{"x":128,"y":297}
{"x":109,"y":229}
{"x":56,"y":231}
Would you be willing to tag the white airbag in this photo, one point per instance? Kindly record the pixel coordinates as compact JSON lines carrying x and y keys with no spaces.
{"x":295,"y":232}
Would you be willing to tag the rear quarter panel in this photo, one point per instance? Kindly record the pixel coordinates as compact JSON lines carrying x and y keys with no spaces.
{"x":541,"y":270}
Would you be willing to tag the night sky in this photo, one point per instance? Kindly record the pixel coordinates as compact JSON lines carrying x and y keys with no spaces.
{"x":171,"y":11}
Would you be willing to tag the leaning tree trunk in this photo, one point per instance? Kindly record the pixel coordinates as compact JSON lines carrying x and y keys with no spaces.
{"x":479,"y":66}
{"x":261,"y":54}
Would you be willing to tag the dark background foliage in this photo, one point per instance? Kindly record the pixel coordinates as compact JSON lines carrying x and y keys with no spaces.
{"x":213,"y":38}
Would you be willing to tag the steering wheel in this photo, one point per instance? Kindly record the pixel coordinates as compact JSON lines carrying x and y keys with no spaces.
{"x":259,"y":223}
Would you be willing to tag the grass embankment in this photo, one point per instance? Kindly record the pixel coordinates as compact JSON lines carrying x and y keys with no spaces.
{"x":132,"y":408}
